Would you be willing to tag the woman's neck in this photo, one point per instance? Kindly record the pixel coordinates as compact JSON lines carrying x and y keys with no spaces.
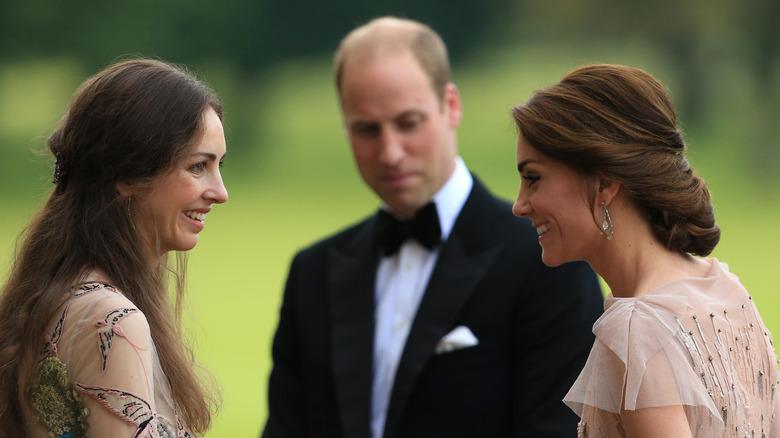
{"x":635,"y":262}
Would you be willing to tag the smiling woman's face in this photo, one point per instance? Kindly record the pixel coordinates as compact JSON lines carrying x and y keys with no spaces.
{"x":173,"y":212}
{"x":554,"y":197}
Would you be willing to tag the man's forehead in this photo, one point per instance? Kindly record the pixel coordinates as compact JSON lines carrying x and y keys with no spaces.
{"x":377,"y":55}
{"x":372,"y":76}
{"x":369,"y":119}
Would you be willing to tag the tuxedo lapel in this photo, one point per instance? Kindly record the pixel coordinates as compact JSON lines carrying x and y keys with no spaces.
{"x":352,"y":271}
{"x":465,"y":258}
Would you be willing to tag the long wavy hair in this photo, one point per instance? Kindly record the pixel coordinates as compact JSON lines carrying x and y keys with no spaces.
{"x":618,"y":123}
{"x":128,"y":124}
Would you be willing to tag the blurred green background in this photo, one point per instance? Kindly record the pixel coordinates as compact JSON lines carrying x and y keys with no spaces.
{"x":289,"y":170}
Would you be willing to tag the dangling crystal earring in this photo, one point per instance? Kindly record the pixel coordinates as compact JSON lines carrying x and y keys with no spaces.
{"x":607,"y":228}
{"x":130,"y":211}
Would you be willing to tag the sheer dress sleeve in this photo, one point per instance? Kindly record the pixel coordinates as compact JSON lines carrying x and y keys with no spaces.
{"x":697,"y":343}
{"x":636,"y":361}
{"x":104,"y":342}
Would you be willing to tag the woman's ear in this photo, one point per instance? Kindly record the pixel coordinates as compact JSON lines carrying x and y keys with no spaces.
{"x":123,"y":189}
{"x":608,"y":189}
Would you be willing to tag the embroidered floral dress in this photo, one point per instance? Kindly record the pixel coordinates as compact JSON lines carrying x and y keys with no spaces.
{"x":695,"y":342}
{"x":99,"y":374}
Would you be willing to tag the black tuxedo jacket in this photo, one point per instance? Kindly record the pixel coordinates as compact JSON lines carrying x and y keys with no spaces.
{"x":533,"y":324}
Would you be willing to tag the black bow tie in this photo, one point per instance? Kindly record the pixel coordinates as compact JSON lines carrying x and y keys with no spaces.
{"x":424,"y":228}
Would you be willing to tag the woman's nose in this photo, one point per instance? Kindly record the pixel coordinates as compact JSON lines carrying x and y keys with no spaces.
{"x":522,"y":207}
{"x":218,"y":193}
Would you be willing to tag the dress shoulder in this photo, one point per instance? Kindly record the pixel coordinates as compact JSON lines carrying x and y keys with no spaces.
{"x":695,"y":342}
{"x":92,"y":321}
{"x":637,"y":360}
{"x":103,"y":343}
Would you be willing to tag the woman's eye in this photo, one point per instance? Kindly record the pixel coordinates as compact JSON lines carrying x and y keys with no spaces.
{"x":531,"y":179}
{"x":198,"y":167}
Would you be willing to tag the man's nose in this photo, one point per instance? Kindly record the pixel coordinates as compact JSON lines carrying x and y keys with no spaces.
{"x":392,"y":147}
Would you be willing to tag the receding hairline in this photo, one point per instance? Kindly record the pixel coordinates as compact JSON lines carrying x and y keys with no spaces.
{"x":382,"y":37}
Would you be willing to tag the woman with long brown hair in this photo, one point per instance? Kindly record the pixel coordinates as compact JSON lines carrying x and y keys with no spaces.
{"x":90,"y":339}
{"x":681,"y":349}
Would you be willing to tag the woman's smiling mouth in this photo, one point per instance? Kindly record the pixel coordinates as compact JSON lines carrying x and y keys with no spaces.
{"x":541,"y":229}
{"x":195,"y":215}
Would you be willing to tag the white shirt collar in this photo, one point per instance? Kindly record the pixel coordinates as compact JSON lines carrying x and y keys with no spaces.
{"x":451,"y":197}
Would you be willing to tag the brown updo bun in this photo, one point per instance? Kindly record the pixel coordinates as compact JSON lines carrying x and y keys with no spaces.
{"x":617,"y":123}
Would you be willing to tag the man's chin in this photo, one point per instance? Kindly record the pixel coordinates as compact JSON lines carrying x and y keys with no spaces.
{"x":405,"y":208}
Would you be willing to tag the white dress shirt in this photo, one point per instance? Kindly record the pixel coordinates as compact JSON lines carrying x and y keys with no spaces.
{"x":401,"y":280}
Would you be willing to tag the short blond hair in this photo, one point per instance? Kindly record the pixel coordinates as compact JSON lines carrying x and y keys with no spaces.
{"x":391,"y":35}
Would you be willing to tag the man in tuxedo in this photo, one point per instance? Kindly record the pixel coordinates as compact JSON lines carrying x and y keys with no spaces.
{"x":435,"y":317}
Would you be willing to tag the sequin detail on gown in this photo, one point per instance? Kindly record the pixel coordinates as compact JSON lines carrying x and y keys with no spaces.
{"x":698,"y":343}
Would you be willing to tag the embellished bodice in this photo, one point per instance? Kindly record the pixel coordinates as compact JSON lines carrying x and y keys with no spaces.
{"x":99,"y":373}
{"x":699,"y":343}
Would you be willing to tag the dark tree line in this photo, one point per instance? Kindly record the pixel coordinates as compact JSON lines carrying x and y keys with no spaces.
{"x":252,"y":35}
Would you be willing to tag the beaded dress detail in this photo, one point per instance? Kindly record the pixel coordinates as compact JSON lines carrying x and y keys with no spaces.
{"x":99,"y":374}
{"x":695,"y":342}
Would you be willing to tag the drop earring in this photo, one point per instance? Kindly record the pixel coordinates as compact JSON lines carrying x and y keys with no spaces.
{"x":130,"y":211}
{"x":607,"y":229}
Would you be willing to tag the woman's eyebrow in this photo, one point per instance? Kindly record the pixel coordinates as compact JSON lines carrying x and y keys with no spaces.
{"x":210,"y":156}
{"x":523,"y":163}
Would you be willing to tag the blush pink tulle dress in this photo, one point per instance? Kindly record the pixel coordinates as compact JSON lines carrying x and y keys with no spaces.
{"x":695,"y":342}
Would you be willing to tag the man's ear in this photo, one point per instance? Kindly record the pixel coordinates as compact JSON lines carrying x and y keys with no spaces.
{"x":124,"y":189}
{"x":453,"y":105}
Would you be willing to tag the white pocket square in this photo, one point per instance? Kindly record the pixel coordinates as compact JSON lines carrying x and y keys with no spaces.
{"x":460,"y":337}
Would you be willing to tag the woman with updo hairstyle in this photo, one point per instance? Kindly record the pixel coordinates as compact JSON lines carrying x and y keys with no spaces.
{"x":681,"y":350}
{"x":91,"y":340}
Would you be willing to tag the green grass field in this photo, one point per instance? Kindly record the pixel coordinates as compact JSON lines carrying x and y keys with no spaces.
{"x":298,"y":183}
